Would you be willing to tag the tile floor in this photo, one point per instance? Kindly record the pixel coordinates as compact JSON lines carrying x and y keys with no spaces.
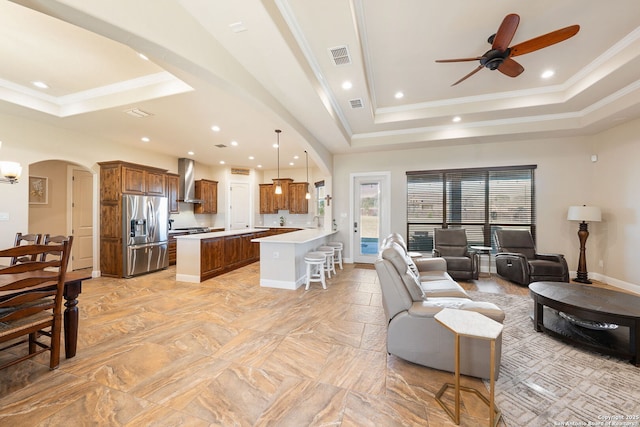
{"x":226,"y":352}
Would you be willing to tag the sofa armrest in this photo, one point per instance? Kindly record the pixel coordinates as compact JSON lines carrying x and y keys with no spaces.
{"x":431,"y":264}
{"x":550,"y":257}
{"x":431,"y":306}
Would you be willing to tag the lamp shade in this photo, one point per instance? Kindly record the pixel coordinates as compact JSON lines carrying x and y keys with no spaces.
{"x":10,"y":170}
{"x":584,"y":213}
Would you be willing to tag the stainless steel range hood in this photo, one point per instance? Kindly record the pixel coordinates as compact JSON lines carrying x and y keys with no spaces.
{"x":187,"y":181}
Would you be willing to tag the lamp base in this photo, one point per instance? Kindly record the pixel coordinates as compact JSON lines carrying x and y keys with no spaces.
{"x":582,"y":278}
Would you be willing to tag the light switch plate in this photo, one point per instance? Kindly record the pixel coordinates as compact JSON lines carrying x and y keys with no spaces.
{"x":4,"y":216}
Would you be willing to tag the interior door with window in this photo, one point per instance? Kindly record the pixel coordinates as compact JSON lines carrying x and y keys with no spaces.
{"x":371,"y":215}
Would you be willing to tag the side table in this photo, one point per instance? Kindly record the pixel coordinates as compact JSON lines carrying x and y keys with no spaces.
{"x":484,"y":250}
{"x":471,"y":324}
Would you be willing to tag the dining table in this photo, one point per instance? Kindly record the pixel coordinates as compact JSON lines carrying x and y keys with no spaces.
{"x":72,"y":289}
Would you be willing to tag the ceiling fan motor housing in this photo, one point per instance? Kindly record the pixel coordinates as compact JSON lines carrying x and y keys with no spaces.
{"x":493,"y":58}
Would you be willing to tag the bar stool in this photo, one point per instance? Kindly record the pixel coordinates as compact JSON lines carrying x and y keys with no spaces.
{"x":329,"y":254}
{"x":315,"y":268}
{"x":337,"y":246}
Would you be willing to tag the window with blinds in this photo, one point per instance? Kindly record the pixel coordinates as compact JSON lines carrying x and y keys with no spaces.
{"x":480,"y":200}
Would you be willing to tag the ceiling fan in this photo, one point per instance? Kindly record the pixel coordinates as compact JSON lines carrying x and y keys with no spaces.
{"x":499,"y":57}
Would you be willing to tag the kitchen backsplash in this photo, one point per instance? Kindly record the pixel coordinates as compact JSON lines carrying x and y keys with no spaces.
{"x":290,"y":220}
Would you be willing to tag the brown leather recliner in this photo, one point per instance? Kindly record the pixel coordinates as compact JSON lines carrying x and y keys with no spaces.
{"x":451,"y":244}
{"x":518,"y":261}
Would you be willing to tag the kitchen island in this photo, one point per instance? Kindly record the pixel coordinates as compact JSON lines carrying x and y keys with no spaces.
{"x":202,"y":256}
{"x":282,"y":257}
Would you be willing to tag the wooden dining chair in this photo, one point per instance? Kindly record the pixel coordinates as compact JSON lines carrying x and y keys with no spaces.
{"x":31,"y":296}
{"x":25,"y":239}
{"x":55,"y":241}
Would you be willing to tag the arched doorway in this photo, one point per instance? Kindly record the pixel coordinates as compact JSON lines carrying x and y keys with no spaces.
{"x":61,"y":202}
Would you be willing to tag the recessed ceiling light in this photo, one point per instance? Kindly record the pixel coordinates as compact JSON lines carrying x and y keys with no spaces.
{"x":145,"y":139}
{"x":234,"y":143}
{"x":456,"y":119}
{"x":143,"y":56}
{"x":399,"y":95}
{"x":191,"y":153}
{"x":296,"y":157}
{"x":215,"y":128}
{"x":291,"y":163}
{"x":259,"y":166}
{"x":41,"y":85}
{"x":222,"y":162}
{"x":275,"y":145}
{"x":251,"y":157}
{"x":347,"y":85}
{"x":547,"y":74}
{"x":238,"y":27}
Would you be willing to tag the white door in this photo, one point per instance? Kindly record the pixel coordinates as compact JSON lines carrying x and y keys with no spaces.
{"x":371,"y":214}
{"x":239,"y":206}
{"x":82,"y":217}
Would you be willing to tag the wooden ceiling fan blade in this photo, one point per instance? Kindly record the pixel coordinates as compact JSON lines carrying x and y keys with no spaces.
{"x":510,"y":68}
{"x":505,"y":33}
{"x":477,"y":58}
{"x":545,"y":40}
{"x":480,"y":67}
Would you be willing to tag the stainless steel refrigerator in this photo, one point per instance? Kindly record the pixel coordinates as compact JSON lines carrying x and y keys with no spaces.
{"x":144,"y":230}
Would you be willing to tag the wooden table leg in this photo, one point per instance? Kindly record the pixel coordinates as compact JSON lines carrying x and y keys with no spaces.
{"x":71,"y":292}
{"x":538,"y":313}
{"x":634,"y":342}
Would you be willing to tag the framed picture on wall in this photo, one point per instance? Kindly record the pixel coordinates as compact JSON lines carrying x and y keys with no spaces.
{"x":38,"y":190}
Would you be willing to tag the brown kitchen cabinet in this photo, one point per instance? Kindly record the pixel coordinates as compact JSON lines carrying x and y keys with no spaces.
{"x":212,"y":257}
{"x":207,"y":191}
{"x":292,"y":198}
{"x":173,"y":187}
{"x":266,"y":199}
{"x":281,"y":201}
{"x":117,"y":178}
{"x":298,"y":203}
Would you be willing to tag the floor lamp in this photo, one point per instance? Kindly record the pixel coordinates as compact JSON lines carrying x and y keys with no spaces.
{"x":584,"y":214}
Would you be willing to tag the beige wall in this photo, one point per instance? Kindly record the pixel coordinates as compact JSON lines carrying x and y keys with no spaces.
{"x":616,"y":189}
{"x":51,"y":217}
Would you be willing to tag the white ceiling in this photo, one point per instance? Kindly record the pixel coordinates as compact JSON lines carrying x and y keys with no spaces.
{"x":278,"y":73}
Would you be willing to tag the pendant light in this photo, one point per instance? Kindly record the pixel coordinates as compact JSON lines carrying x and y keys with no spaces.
{"x":308,"y":195}
{"x":278,"y":186}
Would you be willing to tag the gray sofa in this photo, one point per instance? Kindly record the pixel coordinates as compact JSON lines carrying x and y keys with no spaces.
{"x":413,"y":291}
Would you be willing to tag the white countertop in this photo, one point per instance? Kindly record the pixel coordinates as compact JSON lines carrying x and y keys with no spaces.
{"x":214,"y":234}
{"x":300,"y":236}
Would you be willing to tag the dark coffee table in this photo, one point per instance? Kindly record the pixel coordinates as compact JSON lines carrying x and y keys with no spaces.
{"x":589,"y":303}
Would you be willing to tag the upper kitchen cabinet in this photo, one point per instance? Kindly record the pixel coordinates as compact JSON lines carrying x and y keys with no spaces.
{"x":292,"y":198}
{"x":207,"y":191}
{"x":298,"y":203}
{"x":119,"y":178}
{"x":266,"y":199}
{"x":173,"y":188}
{"x":281,"y":201}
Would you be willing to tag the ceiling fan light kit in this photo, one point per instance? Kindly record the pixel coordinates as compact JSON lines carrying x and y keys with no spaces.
{"x":499,"y":57}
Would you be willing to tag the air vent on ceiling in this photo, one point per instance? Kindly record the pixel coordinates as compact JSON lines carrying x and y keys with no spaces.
{"x":356,"y":103}
{"x":340,"y":55}
{"x":221,"y":146}
{"x":240,"y":171}
{"x":136,"y":112}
